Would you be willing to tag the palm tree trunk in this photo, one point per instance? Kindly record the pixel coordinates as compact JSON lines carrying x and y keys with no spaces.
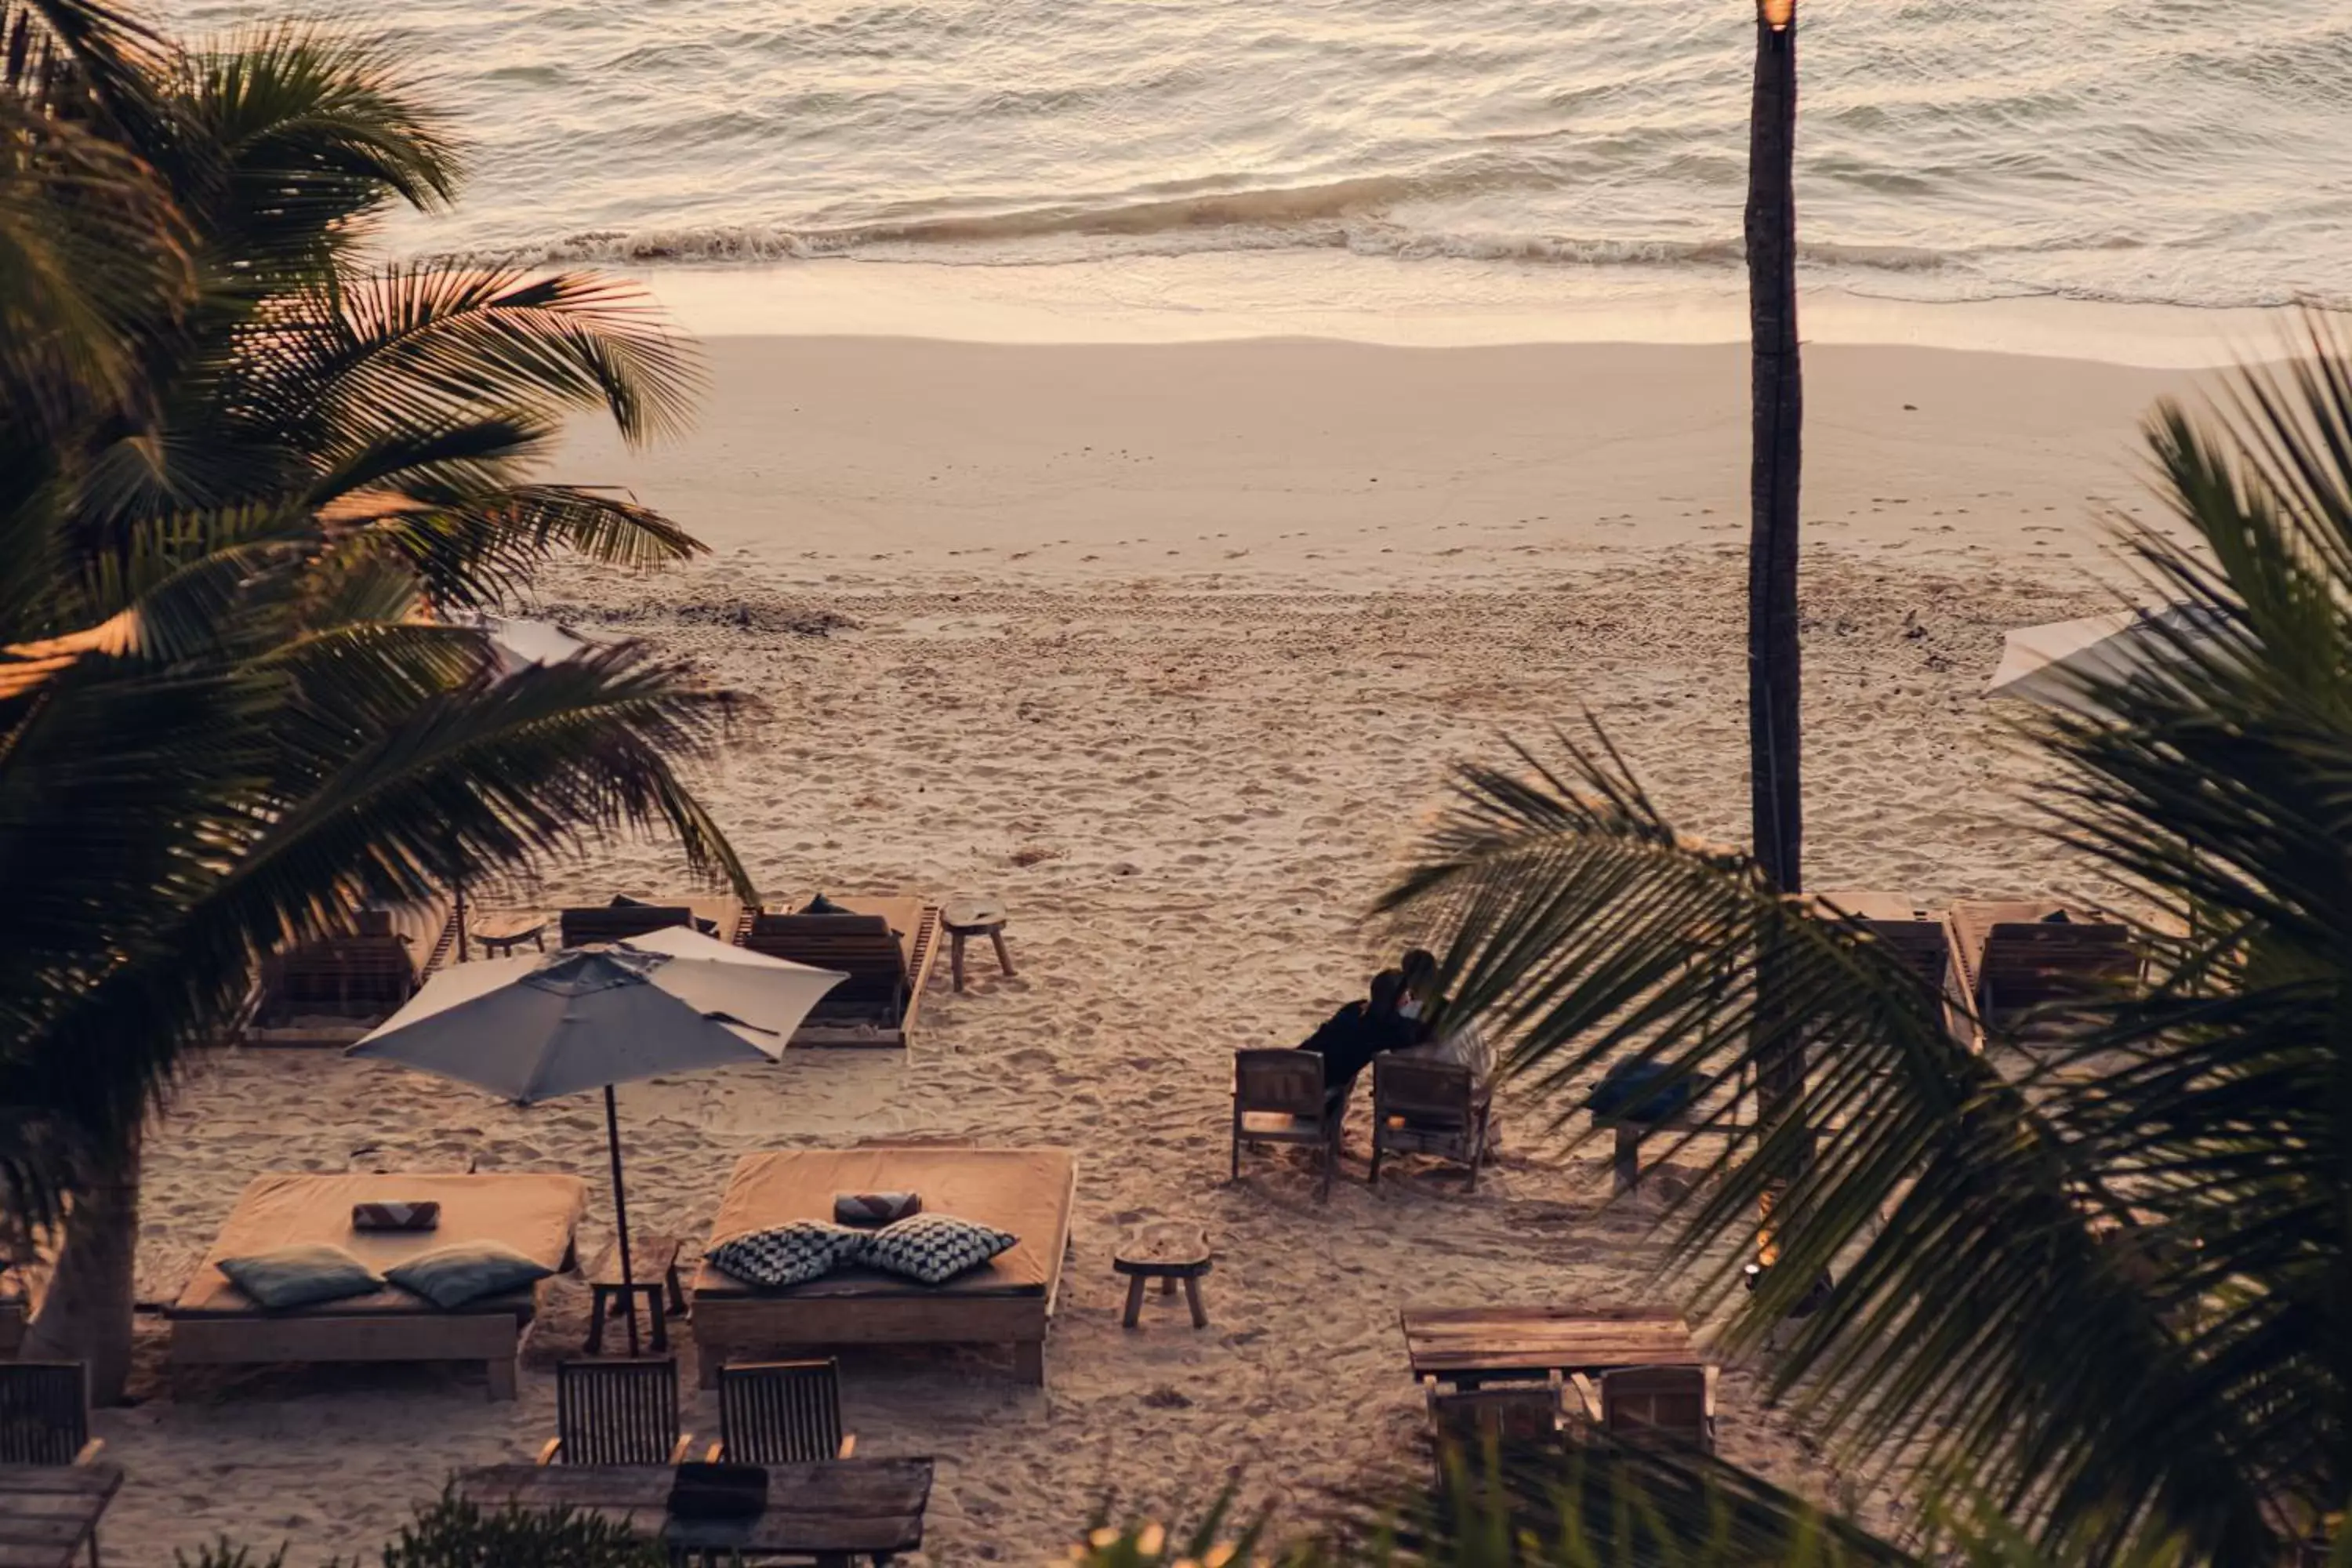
{"x":86,"y":1314}
{"x":1773,"y":685}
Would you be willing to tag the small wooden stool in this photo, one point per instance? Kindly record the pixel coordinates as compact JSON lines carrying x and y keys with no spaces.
{"x":654,"y":1261}
{"x":971,"y":920}
{"x":1166,"y":1253}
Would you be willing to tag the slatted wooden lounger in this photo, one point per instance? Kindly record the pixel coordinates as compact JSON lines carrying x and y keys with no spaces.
{"x":2013,"y":956}
{"x":333,"y":991}
{"x":1919,"y":936}
{"x":886,"y":946}
{"x":583,"y":923}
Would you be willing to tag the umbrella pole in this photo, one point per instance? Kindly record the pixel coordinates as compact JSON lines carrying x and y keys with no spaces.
{"x":621,"y":1215}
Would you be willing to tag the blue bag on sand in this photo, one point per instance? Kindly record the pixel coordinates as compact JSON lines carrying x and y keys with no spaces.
{"x":1638,"y":1091}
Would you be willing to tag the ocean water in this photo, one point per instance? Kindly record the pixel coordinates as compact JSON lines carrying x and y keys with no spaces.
{"x":2185,"y":153}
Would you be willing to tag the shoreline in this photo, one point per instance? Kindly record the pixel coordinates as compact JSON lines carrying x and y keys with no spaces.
{"x":1424,"y":303}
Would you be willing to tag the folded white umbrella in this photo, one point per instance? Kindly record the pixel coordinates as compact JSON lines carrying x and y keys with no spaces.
{"x":2056,"y":664}
{"x":535,"y":1027}
{"x":521,"y":644}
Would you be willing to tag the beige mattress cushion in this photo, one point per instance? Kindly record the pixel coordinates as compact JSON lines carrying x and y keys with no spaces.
{"x":1024,"y":1191}
{"x":535,"y":1214}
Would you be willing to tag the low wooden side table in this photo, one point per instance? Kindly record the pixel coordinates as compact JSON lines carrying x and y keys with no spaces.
{"x":969,"y":919}
{"x":654,"y":1261}
{"x":1167,"y":1253}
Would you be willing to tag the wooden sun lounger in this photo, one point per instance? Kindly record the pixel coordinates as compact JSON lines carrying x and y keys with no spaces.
{"x":886,"y":946}
{"x":1007,"y":1301}
{"x":333,"y":991}
{"x":1921,"y":938}
{"x":2013,"y":956}
{"x":585,"y":923}
{"x":215,"y":1323}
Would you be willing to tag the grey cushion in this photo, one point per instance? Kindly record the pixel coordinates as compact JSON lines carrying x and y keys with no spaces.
{"x":790,"y":1253}
{"x":300,"y":1276}
{"x":449,"y":1276}
{"x":933,"y":1248}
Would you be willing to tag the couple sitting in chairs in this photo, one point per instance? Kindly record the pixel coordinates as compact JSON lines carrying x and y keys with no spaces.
{"x":1405,"y":1014}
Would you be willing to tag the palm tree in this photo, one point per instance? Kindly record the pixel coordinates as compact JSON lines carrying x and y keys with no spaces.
{"x":1775,"y":686}
{"x":2099,"y":1290}
{"x":243,"y":464}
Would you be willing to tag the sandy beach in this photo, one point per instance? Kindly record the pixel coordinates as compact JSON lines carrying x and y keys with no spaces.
{"x":1170,"y":647}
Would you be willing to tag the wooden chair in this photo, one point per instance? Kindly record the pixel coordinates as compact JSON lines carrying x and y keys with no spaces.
{"x":780,"y":1413}
{"x":1279,"y":1098}
{"x":1676,"y":1404}
{"x":45,"y":1414}
{"x":862,"y":946}
{"x":1427,"y":1108}
{"x":1511,"y":1416}
{"x":619,"y":922}
{"x":616,"y":1412}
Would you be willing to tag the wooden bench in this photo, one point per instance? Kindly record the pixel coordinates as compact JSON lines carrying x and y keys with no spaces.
{"x":654,"y":1261}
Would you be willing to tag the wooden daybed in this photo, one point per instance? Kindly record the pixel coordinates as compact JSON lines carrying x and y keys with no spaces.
{"x":885,"y":946}
{"x":1007,"y":1301}
{"x":214,"y":1322}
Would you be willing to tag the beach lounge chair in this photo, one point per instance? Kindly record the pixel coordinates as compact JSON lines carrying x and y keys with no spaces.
{"x":45,"y":1414}
{"x":1279,"y":1098}
{"x":1918,"y":936}
{"x":334,"y":990}
{"x":1514,"y":1417}
{"x":2015,"y":956}
{"x":1427,"y":1108}
{"x":616,"y":1412}
{"x":1676,"y":1404}
{"x":780,"y":1413}
{"x":885,"y":946}
{"x":626,"y":917}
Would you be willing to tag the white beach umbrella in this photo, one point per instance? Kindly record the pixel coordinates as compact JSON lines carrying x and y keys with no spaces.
{"x":547,"y":1024}
{"x":521,"y":644}
{"x":2056,"y":664}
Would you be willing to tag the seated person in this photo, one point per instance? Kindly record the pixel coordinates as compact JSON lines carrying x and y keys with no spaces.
{"x":1350,"y":1037}
{"x":1463,"y":1043}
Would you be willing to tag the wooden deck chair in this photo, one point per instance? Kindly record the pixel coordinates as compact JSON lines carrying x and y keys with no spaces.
{"x":620,"y":922}
{"x":365,"y":976}
{"x":1672,"y":1403}
{"x":2015,"y":956}
{"x":780,"y":1413}
{"x":45,"y":1414}
{"x":1427,"y":1108}
{"x":1919,"y":937}
{"x":1512,"y":1417}
{"x":616,"y":1412}
{"x":1279,"y":1098}
{"x":862,"y":946}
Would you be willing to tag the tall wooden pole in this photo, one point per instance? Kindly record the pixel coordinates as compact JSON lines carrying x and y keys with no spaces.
{"x":1773,"y":684}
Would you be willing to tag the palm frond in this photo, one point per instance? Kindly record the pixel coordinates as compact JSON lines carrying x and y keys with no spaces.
{"x":1974,"y":1292}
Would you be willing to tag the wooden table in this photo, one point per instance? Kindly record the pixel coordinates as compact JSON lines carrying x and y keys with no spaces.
{"x":833,"y":1511}
{"x":1470,"y":1345}
{"x":48,"y":1511}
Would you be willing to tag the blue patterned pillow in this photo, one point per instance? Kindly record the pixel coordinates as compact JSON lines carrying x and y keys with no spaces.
{"x":300,"y":1276}
{"x":465,"y":1271}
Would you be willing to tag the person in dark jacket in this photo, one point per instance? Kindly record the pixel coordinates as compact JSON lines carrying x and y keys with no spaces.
{"x":1349,"y":1038}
